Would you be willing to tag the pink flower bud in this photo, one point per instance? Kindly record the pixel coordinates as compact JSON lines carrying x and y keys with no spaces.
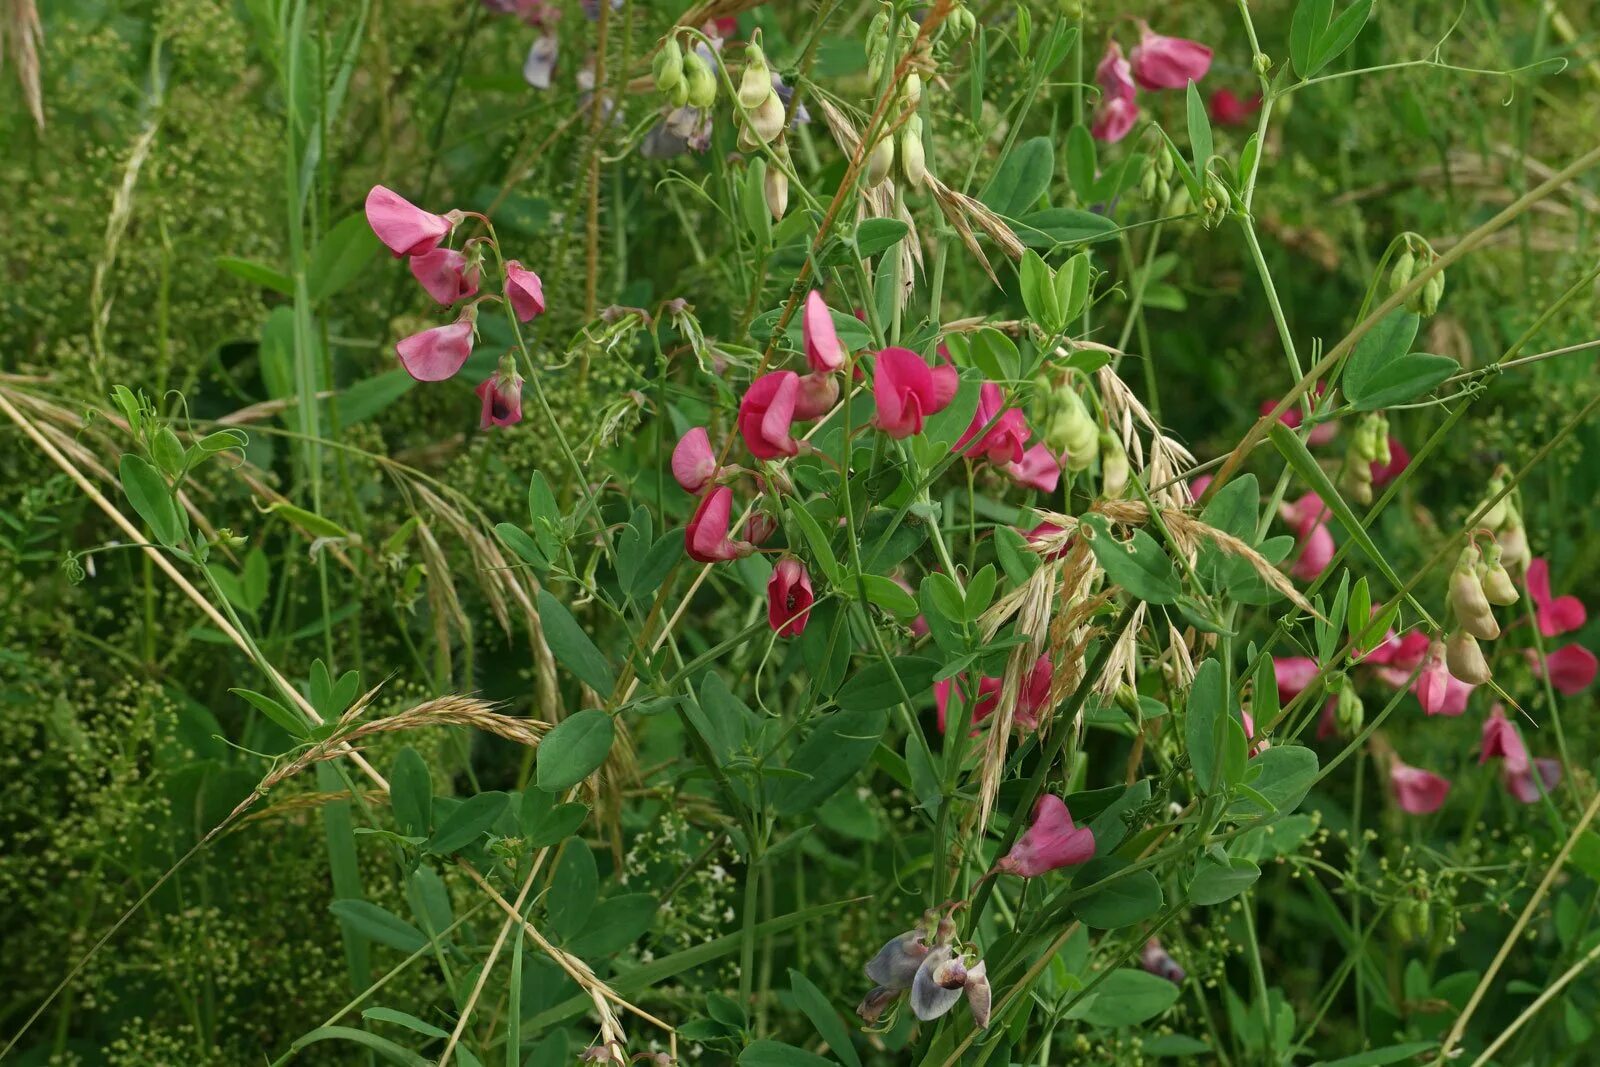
{"x":1316,"y":552}
{"x":706,"y":539}
{"x":1229,"y":109}
{"x":824,"y":352}
{"x":404,"y":228}
{"x":694,"y":465}
{"x":759,"y":528}
{"x":1035,"y":695}
{"x":524,"y":290}
{"x":817,"y":394}
{"x":445,"y":274}
{"x":1502,"y":741}
{"x":1113,"y":118}
{"x":501,"y":394}
{"x":1418,"y":792}
{"x":767,"y":412}
{"x":789,"y":597}
{"x":437,"y":354}
{"x":907,"y":391}
{"x":1052,"y":841}
{"x":1004,"y":441}
{"x":1168,"y":62}
{"x":987,"y":699}
{"x":1433,"y":685}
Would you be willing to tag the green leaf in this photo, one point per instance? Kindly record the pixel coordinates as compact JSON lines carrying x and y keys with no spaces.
{"x":411,"y":793}
{"x":1081,"y":165}
{"x":257,"y":274}
{"x":1056,"y":226}
{"x":469,"y":821}
{"x":1404,"y":379}
{"x":1140,"y":566}
{"x":574,"y":749}
{"x":572,"y":647}
{"x":518,"y":541}
{"x":820,"y":1011}
{"x":1339,"y":36}
{"x":405,"y":1019}
{"x":1386,"y":342}
{"x":1127,"y":996}
{"x":821,"y":549}
{"x":1305,"y":30}
{"x":1131,"y":898}
{"x":1205,"y":723}
{"x":1287,"y":773}
{"x":1039,"y":292}
{"x":722,"y":718}
{"x":381,"y":1045}
{"x":1378,"y":1057}
{"x":1216,"y":882}
{"x":339,"y":257}
{"x":879,"y":235}
{"x":615,"y":923}
{"x":874,"y":686}
{"x":1022,"y":178}
{"x":152,"y":499}
{"x":292,"y":722}
{"x":378,"y":924}
{"x":831,"y":756}
{"x":660,"y":559}
{"x":573,"y":891}
{"x":544,"y":822}
{"x":544,"y":516}
{"x":1199,"y":130}
{"x":887,"y":594}
{"x":370,"y":396}
{"x":777,"y":1054}
{"x":996,"y":355}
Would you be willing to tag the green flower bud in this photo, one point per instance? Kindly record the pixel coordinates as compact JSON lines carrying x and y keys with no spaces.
{"x":913,"y":162}
{"x":1497,"y":584}
{"x":1432,"y":293}
{"x":879,"y":162}
{"x":702,"y":81}
{"x":1262,"y":63}
{"x":775,"y":188}
{"x":1465,"y":659}
{"x":1467,"y":597}
{"x":1349,"y":713}
{"x":1114,"y":467}
{"x":668,"y":66}
{"x":1405,"y":265}
{"x":755,"y":84}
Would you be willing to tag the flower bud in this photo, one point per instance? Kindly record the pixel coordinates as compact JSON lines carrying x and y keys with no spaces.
{"x":1513,"y":541}
{"x":1215,"y":203}
{"x":879,"y":162}
{"x":1405,"y":265}
{"x":755,"y":84}
{"x":702,"y":81}
{"x":775,"y":188}
{"x":668,"y":66}
{"x":1071,"y":429}
{"x":1349,"y":712}
{"x":1432,"y":293}
{"x":1497,"y":585}
{"x":1467,"y":598}
{"x":913,"y":163}
{"x":1114,"y":468}
{"x":1262,"y":63}
{"x":1495,"y":517}
{"x":1465,"y":659}
{"x":912,"y":94}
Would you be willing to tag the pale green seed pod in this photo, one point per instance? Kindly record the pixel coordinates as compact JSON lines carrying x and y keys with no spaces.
{"x":912,"y":94}
{"x":755,"y":84}
{"x":913,"y":161}
{"x":1467,"y":597}
{"x":1497,"y":584}
{"x":880,"y":162}
{"x":766,"y":121}
{"x":1465,"y":659}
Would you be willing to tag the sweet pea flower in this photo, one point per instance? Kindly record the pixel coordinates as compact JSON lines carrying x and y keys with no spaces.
{"x":694,"y":464}
{"x":1113,"y":118}
{"x":1399,"y":460}
{"x":907,"y":391}
{"x":1502,"y":741}
{"x":404,"y":228}
{"x":1294,"y":674}
{"x":1541,"y":776}
{"x":816,"y":396}
{"x":895,"y":965}
{"x":937,"y":984}
{"x":767,"y":413}
{"x":1320,"y":434}
{"x":525,"y":291}
{"x":1397,"y":656}
{"x":1038,"y":469}
{"x":1044,"y":532}
{"x":789,"y":597}
{"x":1418,"y":792}
{"x":1007,"y":434}
{"x":1438,"y":691}
{"x":445,"y":274}
{"x":435,"y":355}
{"x":1113,"y":74}
{"x":1572,"y":668}
{"x":706,"y":539}
{"x":1035,"y":695}
{"x":501,"y":394}
{"x":1227,"y":108}
{"x":1556,"y":615}
{"x":1307,"y":516}
{"x":824,"y":351}
{"x":984,"y":702}
{"x":1168,"y":62}
{"x":1051,"y":841}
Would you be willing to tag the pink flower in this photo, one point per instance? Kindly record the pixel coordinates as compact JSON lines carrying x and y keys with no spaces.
{"x":824,"y":352}
{"x":501,"y":394}
{"x":404,"y":228}
{"x":1052,"y":841}
{"x":1316,"y":541}
{"x":525,"y":291}
{"x":1399,"y":460}
{"x":1039,"y":469}
{"x":817,"y":394}
{"x":706,"y":539}
{"x":1114,"y":75}
{"x":1113,"y":118}
{"x":1035,"y":695}
{"x":1572,"y":668}
{"x":767,"y":412}
{"x":1396,"y":658}
{"x":907,"y":390}
{"x":789,"y":597}
{"x":1294,"y":675}
{"x":435,"y":355}
{"x":1168,"y":62}
{"x":1229,"y":109}
{"x":694,"y":465}
{"x":1198,"y":487}
{"x":1556,"y":615}
{"x":984,"y":702}
{"x":1320,"y":434}
{"x":1502,"y":741}
{"x":445,"y":274}
{"x":1438,"y":691}
{"x":1532,"y":782}
{"x":760,"y":527}
{"x":1005,"y":440}
{"x":1044,"y":531}
{"x":1418,"y":792}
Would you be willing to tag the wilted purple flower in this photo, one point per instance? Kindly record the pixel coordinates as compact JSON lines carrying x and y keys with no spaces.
{"x":930,"y":996}
{"x":896,"y":963}
{"x":785,"y":94}
{"x":872,"y":1005}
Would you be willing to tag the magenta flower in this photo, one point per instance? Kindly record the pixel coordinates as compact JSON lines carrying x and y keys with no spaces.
{"x":1227,"y":108}
{"x":501,"y":394}
{"x":1541,"y":776}
{"x":1320,"y":434}
{"x":1005,"y":440}
{"x":1502,"y":741}
{"x":1399,"y":460}
{"x":706,"y":539}
{"x":987,"y":699}
{"x":1294,"y":675}
{"x":907,"y":390}
{"x":759,"y":528}
{"x":1556,"y":615}
{"x":824,"y":352}
{"x":404,"y":228}
{"x":1044,"y":532}
{"x":1035,"y":695}
{"x":1052,"y":841}
{"x":789,"y":597}
{"x":766,"y":415}
{"x":817,"y":394}
{"x":445,"y":274}
{"x":525,"y":291}
{"x":1307,"y":516}
{"x":694,"y":465}
{"x":1114,"y":75}
{"x":1438,"y":691}
{"x":1572,"y":668}
{"x":1418,"y":792}
{"x":437,"y":354}
{"x":1168,"y":62}
{"x":1113,"y":118}
{"x":1038,"y":469}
